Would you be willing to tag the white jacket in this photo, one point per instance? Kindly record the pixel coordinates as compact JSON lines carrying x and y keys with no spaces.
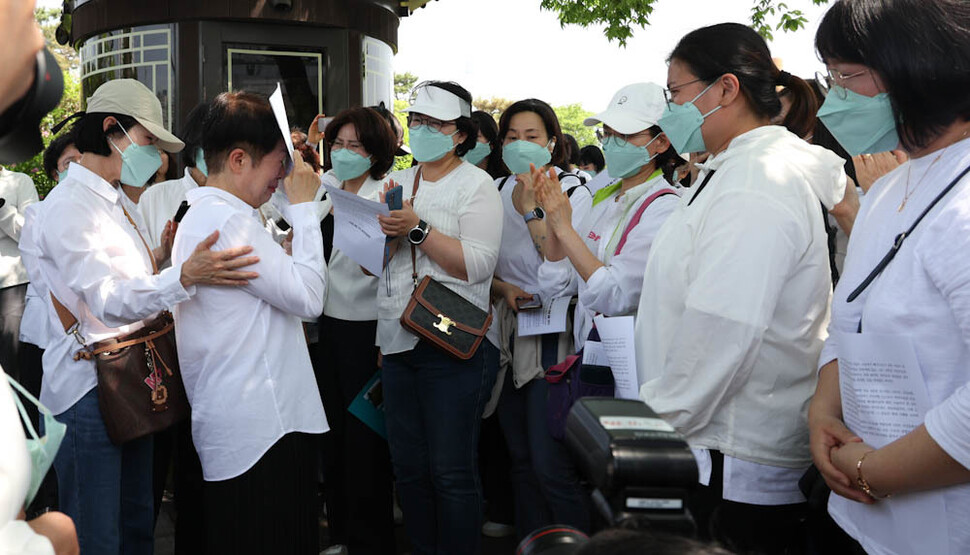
{"x":735,"y":299}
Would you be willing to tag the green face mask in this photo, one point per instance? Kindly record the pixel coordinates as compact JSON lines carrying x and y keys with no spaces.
{"x":477,"y":154}
{"x":517,"y":155}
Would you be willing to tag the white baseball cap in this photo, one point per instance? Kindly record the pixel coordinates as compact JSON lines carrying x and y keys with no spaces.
{"x":129,"y":97}
{"x":634,"y":108}
{"x":440,"y":104}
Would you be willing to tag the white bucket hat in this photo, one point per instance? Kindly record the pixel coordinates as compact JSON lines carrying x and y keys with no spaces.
{"x":634,"y":108}
{"x":129,"y":97}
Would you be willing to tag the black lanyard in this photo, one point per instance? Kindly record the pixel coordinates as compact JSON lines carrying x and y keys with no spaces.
{"x":898,"y":243}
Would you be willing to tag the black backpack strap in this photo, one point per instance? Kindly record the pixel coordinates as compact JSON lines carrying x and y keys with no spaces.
{"x":831,"y":233}
{"x":571,"y":190}
{"x":504,"y":181}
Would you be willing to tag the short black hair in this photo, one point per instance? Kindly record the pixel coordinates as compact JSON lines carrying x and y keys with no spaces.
{"x":591,"y":154}
{"x":374,"y":133}
{"x":239,"y":120}
{"x":549,"y":120}
{"x":465,"y":124}
{"x":572,"y":149}
{"x":713,"y":51}
{"x":54,"y":151}
{"x":90,"y":135}
{"x":919,"y":48}
{"x":192,"y":133}
{"x":489,"y":129}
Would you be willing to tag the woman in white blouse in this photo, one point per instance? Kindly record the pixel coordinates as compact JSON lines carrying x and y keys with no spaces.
{"x":889,"y":84}
{"x":735,"y":292}
{"x":434,"y":402}
{"x":357,"y":463}
{"x":242,"y":351}
{"x":603,"y":259}
{"x":92,"y":256}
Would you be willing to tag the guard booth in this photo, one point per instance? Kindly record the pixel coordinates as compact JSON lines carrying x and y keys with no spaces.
{"x":327,"y":54}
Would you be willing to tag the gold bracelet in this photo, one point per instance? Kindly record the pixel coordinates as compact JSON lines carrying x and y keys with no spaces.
{"x":863,"y":483}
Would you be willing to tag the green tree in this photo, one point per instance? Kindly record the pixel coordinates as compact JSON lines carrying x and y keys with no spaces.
{"x":620,"y":16}
{"x":493,"y":105}
{"x":402,"y":162}
{"x":403,"y":83}
{"x":571,"y":119}
{"x":70,"y":103}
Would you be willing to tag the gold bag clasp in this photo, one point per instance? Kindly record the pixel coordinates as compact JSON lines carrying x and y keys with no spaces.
{"x":444,"y":323}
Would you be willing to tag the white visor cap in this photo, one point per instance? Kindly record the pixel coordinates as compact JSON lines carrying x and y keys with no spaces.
{"x":440,"y":104}
{"x":634,"y":108}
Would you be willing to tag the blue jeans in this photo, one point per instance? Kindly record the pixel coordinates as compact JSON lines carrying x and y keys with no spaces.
{"x":106,"y":489}
{"x":544,"y":477}
{"x":434,"y":406}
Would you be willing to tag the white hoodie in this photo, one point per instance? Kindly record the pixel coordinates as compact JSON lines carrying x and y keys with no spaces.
{"x":735,"y":300}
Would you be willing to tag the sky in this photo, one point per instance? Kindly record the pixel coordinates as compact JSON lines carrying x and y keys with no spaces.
{"x":515,"y":50}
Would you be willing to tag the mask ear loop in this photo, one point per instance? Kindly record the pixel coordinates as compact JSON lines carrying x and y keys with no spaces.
{"x":23,"y":411}
{"x":702,"y":93}
{"x":130,"y":140}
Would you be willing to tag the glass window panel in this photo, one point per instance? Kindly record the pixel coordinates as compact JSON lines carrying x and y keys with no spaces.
{"x":300,"y":75}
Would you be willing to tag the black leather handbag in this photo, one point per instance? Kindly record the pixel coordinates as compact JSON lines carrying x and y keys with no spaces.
{"x":441,"y":316}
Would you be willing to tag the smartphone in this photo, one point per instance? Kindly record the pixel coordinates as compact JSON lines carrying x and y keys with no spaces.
{"x":180,"y":213}
{"x":395,"y":198}
{"x":322,"y":123}
{"x":529,"y":304}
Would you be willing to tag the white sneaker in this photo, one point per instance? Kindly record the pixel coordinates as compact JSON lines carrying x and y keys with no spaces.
{"x":497,"y":530}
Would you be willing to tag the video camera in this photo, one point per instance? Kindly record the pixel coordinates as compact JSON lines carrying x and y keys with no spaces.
{"x":640,"y":467}
{"x":20,"y":124}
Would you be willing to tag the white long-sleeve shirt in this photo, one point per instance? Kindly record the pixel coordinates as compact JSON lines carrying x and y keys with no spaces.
{"x":160,"y":203}
{"x":734,"y":305}
{"x":16,"y":536}
{"x":463,"y":205}
{"x":614,"y":289}
{"x":18,"y":192}
{"x":242,"y":352}
{"x":924,"y":293}
{"x":92,"y":259}
{"x":34,"y":324}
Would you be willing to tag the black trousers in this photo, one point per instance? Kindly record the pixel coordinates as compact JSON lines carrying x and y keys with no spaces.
{"x":174,"y":450}
{"x":746,"y":528}
{"x":269,"y":509}
{"x":358,"y":479}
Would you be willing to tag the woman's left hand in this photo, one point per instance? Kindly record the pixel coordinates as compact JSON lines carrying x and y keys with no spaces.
{"x":846,"y":459}
{"x":524,"y":195}
{"x":399,"y":222}
{"x":164,"y":251}
{"x":559,"y":213}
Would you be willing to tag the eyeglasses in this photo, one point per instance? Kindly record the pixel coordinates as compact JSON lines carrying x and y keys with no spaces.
{"x":669,"y":92}
{"x":433,"y":124}
{"x":834,"y":79}
{"x":603,"y":135}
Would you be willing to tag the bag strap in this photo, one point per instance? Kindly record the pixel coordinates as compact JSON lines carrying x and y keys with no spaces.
{"x":700,"y":188}
{"x":898,"y":243}
{"x":638,"y":214}
{"x":414,"y":264}
{"x":67,"y":318}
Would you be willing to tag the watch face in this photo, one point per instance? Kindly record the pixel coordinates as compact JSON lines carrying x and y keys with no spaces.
{"x":415,"y":235}
{"x":539,"y":212}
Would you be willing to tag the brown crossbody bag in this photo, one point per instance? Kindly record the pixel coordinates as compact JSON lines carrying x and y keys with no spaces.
{"x":444,"y":318}
{"x":140,"y":388}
